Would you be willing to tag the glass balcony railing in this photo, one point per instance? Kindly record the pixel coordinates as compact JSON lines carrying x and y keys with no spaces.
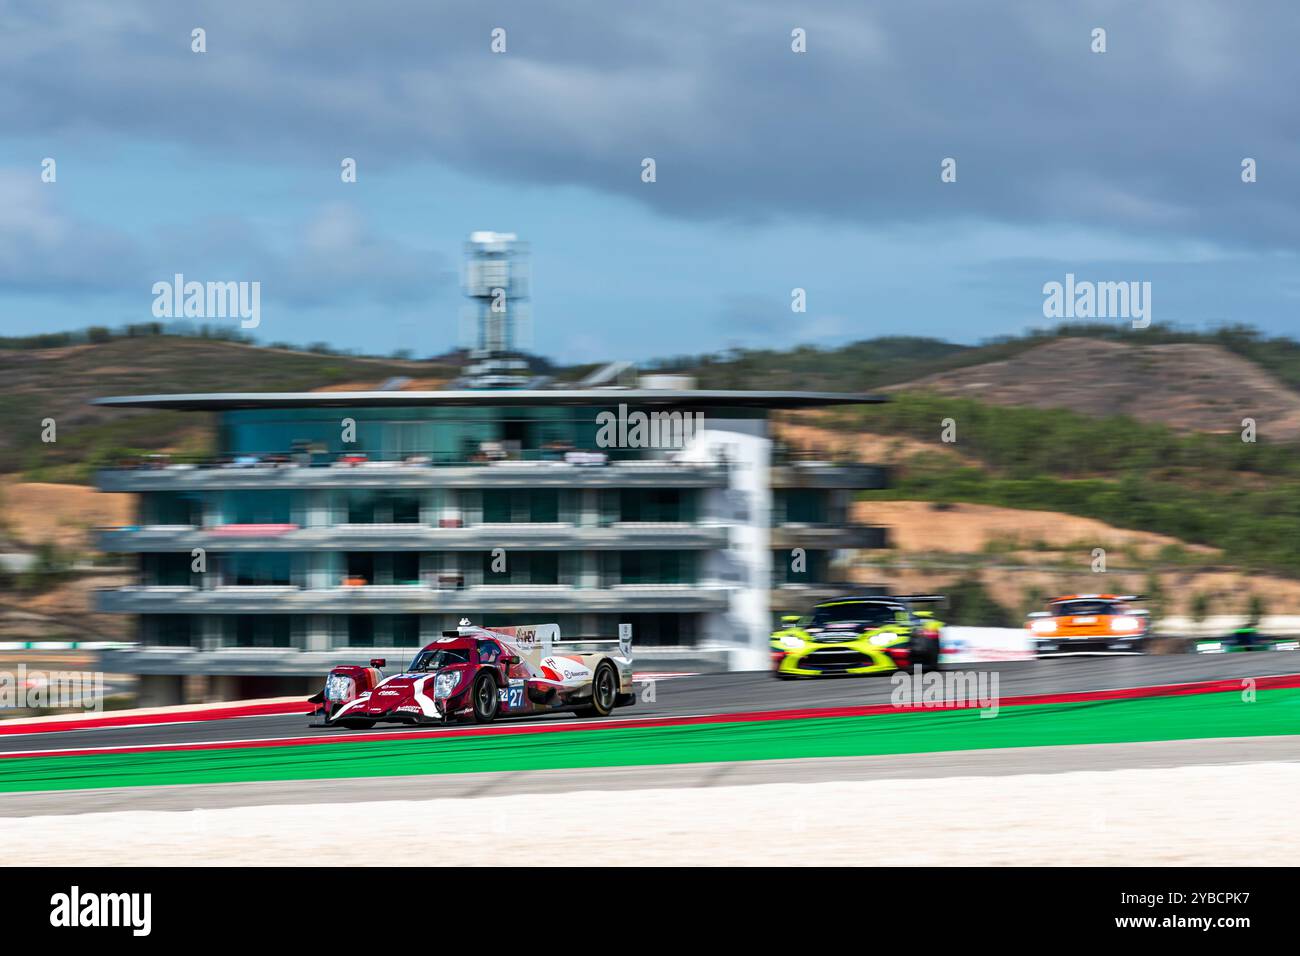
{"x":489,"y":453}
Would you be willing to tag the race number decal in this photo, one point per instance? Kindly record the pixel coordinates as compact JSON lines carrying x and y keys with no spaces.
{"x":512,"y":698}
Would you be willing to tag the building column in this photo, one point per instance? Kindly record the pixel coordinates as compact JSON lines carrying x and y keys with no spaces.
{"x":431,"y":506}
{"x":588,"y":569}
{"x":159,"y":690}
{"x":317,"y":509}
{"x":210,"y":632}
{"x":214,"y":509}
{"x":223,"y":687}
{"x":588,"y":508}
{"x":316,"y":636}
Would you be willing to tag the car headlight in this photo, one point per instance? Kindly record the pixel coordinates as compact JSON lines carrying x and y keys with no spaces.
{"x":790,"y":642}
{"x":1210,"y":647}
{"x":1044,"y":625}
{"x":885,"y":638}
{"x":1125,"y":624}
{"x":340,"y":688}
{"x":445,"y":683}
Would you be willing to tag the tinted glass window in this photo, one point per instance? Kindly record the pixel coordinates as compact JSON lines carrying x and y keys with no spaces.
{"x":1083,"y":607}
{"x":442,"y":657}
{"x":857,"y":612}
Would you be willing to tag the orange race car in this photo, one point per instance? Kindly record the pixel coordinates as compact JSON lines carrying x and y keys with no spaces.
{"x":1089,"y":624}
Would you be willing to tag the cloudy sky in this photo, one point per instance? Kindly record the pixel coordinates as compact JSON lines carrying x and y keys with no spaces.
{"x":775,"y":169}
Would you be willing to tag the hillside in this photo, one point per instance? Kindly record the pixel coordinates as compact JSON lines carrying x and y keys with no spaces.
{"x":1211,"y":490}
{"x":1023,"y":557}
{"x":61,"y":515}
{"x":1190,"y":380}
{"x":55,"y":523}
{"x":1187,"y":387}
{"x":1186,"y":381}
{"x":59,"y":382}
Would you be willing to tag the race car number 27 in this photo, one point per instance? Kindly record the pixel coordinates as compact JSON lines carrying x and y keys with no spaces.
{"x":512,"y":697}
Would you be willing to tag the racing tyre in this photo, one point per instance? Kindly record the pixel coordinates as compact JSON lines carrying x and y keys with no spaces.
{"x":604,"y":691}
{"x":485,"y":699}
{"x":928,"y":658}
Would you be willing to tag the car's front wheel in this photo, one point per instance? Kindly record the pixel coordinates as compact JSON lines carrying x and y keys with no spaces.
{"x":485,"y":699}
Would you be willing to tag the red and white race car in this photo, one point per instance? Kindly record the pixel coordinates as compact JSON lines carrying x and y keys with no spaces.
{"x":479,"y":674}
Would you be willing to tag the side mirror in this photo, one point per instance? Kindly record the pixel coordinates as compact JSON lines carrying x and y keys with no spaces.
{"x":924,"y":613}
{"x":510,"y":660}
{"x":378,"y":662}
{"x":789,"y":618}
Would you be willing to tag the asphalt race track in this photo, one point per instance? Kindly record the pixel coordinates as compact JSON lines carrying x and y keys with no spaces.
{"x":726,"y":693}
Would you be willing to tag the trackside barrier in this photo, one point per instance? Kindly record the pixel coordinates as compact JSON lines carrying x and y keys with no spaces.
{"x":971,"y":644}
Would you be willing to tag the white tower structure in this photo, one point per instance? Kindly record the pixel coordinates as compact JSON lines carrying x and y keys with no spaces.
{"x":496,"y":282}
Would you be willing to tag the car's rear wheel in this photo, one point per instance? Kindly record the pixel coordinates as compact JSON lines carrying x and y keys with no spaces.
{"x":604,"y":691}
{"x":485,"y":699}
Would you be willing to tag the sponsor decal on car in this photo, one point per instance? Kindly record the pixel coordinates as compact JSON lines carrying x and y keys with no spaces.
{"x":564,"y":669}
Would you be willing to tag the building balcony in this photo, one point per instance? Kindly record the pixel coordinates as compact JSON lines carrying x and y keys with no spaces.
{"x":825,"y":474}
{"x":624,"y":536}
{"x":826,"y":537}
{"x":413,"y":599}
{"x":649,"y":473}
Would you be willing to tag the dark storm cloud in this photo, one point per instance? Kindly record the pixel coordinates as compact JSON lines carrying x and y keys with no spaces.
{"x":1146,"y":138}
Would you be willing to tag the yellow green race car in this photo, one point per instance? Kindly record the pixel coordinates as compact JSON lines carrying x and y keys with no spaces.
{"x":858,"y":635}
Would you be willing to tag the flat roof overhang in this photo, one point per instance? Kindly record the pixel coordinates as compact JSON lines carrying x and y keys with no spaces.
{"x":221,"y":401}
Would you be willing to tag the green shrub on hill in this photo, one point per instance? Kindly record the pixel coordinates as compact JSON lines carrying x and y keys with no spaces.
{"x":971,"y":605}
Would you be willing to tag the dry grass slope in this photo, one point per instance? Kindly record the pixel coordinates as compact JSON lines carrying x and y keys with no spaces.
{"x":1183,"y":386}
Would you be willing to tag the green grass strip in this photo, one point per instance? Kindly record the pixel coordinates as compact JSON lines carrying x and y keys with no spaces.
{"x":1274,"y":712}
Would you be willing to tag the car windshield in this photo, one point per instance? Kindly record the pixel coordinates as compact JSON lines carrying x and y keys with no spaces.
{"x":1069,"y":608}
{"x":440,"y":657}
{"x":854,"y":612}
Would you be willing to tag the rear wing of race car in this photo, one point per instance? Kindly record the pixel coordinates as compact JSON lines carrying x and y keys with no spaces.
{"x":545,"y":637}
{"x":1115,"y":598}
{"x":623,"y":641}
{"x":910,"y":599}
